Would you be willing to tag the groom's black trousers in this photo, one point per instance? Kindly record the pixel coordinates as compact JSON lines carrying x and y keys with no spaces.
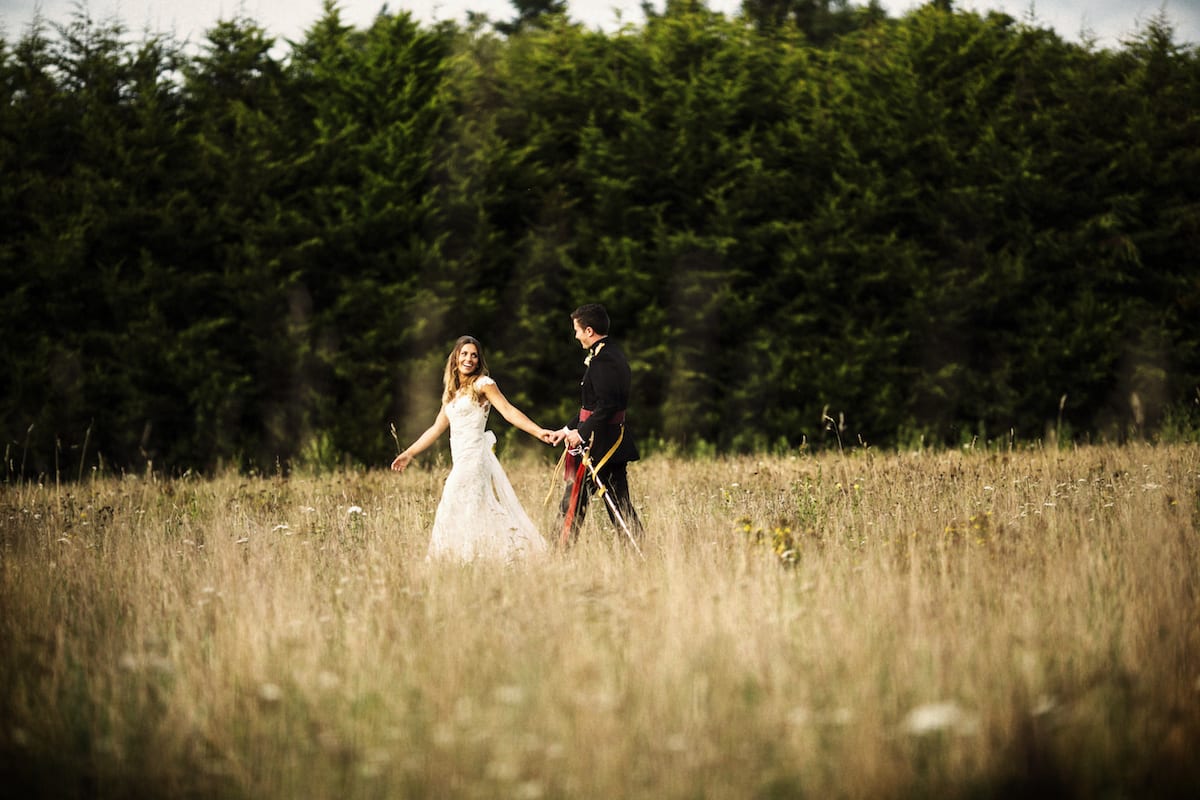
{"x":616,"y":479}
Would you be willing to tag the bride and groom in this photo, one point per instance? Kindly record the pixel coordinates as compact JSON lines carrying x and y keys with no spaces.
{"x":479,"y":515}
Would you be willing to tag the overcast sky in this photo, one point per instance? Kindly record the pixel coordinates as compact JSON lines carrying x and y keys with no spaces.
{"x":1108,"y":20}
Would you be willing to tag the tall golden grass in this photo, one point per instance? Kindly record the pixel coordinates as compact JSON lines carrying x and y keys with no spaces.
{"x":954,"y":624}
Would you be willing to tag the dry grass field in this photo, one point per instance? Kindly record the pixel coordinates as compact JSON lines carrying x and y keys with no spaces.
{"x":962,"y":624}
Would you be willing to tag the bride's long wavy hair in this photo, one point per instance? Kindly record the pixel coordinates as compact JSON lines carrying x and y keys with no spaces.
{"x":452,"y":381}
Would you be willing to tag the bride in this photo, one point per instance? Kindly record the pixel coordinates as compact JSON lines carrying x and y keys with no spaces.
{"x":479,"y":514}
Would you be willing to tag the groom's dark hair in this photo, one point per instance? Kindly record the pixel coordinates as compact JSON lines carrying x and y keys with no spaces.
{"x":592,"y":315}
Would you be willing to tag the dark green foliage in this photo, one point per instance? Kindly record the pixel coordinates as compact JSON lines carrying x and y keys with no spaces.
{"x":531,"y":13}
{"x":820,"y":21}
{"x":806,"y":217}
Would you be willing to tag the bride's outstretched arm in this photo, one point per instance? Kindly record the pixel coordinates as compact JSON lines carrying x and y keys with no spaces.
{"x":427,"y":438}
{"x":514,"y":415}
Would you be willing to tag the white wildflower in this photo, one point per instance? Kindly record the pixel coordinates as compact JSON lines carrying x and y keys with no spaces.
{"x":1045,"y":705}
{"x":270,"y":693}
{"x":936,"y":717}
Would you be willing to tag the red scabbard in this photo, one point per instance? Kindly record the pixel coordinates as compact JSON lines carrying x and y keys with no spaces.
{"x":569,"y":517}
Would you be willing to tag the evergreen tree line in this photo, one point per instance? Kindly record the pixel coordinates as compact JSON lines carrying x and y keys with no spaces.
{"x":830,"y":229}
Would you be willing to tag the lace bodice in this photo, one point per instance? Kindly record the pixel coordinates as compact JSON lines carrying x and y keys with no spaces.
{"x":468,"y":416}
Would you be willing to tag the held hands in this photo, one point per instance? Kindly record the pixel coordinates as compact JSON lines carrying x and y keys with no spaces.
{"x":572,"y":438}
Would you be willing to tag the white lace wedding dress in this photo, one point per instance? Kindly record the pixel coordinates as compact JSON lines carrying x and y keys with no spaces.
{"x":479,"y":515}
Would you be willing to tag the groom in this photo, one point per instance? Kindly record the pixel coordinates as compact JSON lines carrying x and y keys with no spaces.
{"x":599,"y":426}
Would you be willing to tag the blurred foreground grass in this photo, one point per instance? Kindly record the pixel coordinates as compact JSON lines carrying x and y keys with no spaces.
{"x":957,"y":624}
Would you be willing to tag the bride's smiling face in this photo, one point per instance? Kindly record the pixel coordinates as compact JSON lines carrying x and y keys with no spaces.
{"x":468,"y":359}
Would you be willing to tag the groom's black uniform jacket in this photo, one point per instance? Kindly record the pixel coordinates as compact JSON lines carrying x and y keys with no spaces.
{"x":605,"y":387}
